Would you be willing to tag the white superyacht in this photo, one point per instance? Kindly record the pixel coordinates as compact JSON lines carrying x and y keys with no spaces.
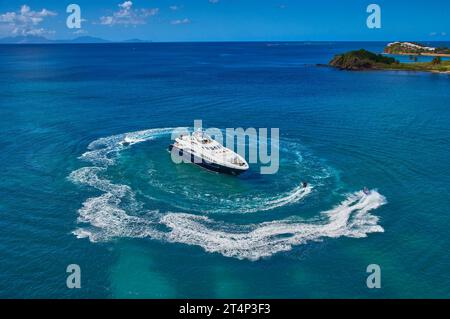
{"x":200,"y":149}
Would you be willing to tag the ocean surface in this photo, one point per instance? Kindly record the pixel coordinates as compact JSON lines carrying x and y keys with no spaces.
{"x":140,"y":226}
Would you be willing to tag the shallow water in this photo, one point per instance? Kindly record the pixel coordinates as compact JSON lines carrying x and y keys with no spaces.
{"x":141,"y":226}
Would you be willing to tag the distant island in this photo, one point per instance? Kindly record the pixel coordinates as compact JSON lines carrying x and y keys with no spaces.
{"x":366,"y":60}
{"x":412,"y":48}
{"x":79,"y":40}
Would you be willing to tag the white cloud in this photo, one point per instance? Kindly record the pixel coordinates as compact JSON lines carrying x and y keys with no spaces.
{"x":433,"y":34}
{"x":213,"y":1}
{"x":127,"y":15}
{"x":25,"y":21}
{"x":181,"y":21}
{"x":126,"y":5}
{"x":175,"y":7}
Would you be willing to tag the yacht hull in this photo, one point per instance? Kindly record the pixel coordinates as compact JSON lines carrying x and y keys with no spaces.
{"x":206,"y":164}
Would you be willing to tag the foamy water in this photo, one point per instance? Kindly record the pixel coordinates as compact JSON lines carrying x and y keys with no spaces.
{"x":117,"y":213}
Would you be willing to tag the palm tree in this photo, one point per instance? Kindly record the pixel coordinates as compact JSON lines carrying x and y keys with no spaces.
{"x":436,"y":60}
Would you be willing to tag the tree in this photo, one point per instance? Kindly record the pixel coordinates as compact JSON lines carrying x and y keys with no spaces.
{"x":436,"y":60}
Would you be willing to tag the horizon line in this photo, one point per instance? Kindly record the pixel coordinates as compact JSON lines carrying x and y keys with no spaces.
{"x":141,"y":41}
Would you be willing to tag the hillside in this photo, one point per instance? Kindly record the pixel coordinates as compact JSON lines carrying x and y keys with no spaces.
{"x":412,"y":48}
{"x":361,"y":60}
{"x":365,"y":60}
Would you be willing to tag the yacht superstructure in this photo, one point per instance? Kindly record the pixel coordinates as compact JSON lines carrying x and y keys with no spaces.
{"x":200,"y":149}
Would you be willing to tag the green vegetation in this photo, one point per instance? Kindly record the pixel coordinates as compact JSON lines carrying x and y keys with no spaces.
{"x":444,"y":66}
{"x":361,"y":60}
{"x":443,"y":50}
{"x":436,"y":60}
{"x":365,"y":60}
{"x":416,"y":49}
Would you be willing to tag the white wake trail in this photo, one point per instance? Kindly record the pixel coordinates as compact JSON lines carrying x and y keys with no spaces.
{"x":104,"y":150}
{"x":116,"y":213}
{"x":351,"y":219}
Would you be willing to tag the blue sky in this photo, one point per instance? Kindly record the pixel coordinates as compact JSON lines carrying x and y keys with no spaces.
{"x":229,"y":20}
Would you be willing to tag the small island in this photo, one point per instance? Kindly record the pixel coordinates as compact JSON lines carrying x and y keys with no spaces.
{"x":365,"y":60}
{"x":413,"y":48}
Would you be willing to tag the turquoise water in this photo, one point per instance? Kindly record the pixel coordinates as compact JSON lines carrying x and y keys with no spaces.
{"x":141,"y":226}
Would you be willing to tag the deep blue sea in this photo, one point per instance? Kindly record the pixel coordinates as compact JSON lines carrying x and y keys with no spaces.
{"x":140,"y":226}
